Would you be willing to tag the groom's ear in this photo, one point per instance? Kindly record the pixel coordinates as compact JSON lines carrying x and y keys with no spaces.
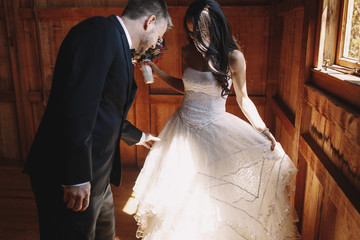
{"x":150,"y":23}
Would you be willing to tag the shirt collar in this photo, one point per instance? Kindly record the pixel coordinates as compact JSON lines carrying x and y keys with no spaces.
{"x":125,"y":30}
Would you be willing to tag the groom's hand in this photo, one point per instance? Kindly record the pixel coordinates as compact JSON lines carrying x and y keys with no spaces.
{"x":148,"y":140}
{"x":77,"y":197}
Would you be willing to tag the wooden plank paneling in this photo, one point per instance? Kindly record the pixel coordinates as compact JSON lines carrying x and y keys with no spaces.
{"x":285,"y":115}
{"x":282,"y":135}
{"x":345,"y":226}
{"x":6,"y":81}
{"x":32,"y":55}
{"x":9,"y":133}
{"x":342,"y":193}
{"x":336,"y":129}
{"x":327,"y":223}
{"x":252,"y":34}
{"x":18,"y":68}
{"x":275,"y":33}
{"x":290,"y":58}
{"x":312,"y":202}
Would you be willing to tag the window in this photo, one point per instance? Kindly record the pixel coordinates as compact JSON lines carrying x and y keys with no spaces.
{"x":348,"y":52}
{"x":336,"y":55}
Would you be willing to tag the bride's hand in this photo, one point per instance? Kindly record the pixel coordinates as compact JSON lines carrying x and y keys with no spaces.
{"x":268,"y":134}
{"x":153,"y":66}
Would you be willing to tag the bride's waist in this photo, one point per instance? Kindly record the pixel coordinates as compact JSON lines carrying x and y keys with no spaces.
{"x":201,"y":111}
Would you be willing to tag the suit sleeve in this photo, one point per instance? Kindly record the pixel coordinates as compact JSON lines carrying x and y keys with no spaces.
{"x":130,"y":134}
{"x":83,"y":62}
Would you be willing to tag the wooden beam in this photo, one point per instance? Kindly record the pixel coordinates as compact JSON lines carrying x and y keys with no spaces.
{"x":341,"y":192}
{"x":285,"y":115}
{"x":2,"y":13}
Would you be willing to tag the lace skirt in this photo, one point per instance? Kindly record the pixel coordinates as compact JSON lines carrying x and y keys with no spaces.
{"x":215,"y":181}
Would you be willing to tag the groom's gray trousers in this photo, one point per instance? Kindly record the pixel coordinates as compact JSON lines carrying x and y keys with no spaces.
{"x":57,"y":222}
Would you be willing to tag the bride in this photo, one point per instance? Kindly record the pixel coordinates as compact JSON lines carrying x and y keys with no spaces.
{"x":213,"y":175}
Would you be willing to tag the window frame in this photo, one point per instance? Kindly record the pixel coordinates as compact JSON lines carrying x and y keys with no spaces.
{"x":338,"y":81}
{"x":340,"y":59}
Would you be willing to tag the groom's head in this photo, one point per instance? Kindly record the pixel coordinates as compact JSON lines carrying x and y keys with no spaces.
{"x":149,"y":19}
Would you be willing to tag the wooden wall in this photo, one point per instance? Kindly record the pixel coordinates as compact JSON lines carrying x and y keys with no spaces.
{"x":320,"y":130}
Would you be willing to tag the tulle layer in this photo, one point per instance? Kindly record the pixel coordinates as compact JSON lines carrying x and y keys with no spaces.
{"x":220,"y":181}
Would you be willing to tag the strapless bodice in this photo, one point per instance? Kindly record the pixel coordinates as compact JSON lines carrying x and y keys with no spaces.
{"x":202,"y":102}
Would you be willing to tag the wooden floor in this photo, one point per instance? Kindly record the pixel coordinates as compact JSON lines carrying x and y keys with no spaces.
{"x":18,"y":217}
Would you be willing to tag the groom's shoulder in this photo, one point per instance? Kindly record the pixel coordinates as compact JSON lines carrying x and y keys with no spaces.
{"x":96,"y":22}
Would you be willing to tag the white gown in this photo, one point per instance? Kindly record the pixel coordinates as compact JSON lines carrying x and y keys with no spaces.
{"x":213,"y":176}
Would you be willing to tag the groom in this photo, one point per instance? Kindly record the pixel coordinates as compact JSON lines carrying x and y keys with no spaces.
{"x":75,"y":153}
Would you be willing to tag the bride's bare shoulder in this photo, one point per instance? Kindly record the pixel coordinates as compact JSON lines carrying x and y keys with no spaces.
{"x":237,"y":60}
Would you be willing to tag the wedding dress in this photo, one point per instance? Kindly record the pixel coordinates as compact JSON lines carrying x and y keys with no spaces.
{"x":213,"y":176}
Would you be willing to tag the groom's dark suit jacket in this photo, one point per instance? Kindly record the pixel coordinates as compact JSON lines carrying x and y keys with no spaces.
{"x":92,"y":90}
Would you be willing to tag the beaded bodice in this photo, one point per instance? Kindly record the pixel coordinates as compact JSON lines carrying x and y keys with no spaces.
{"x":202,"y":102}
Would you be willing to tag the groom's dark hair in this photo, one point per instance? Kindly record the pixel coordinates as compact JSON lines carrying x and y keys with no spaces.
{"x":139,"y":8}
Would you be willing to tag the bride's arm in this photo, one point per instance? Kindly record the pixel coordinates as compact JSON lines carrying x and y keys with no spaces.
{"x":238,"y":74}
{"x":174,"y":82}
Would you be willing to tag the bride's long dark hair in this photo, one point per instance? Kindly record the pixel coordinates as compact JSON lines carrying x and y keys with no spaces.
{"x":212,"y":37}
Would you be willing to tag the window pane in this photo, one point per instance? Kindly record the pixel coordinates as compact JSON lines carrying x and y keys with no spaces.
{"x":352,"y":35}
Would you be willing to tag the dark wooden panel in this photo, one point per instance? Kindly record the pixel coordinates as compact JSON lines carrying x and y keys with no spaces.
{"x":290,"y":58}
{"x":32,"y":55}
{"x":9,"y":133}
{"x":6,"y":82}
{"x":37,"y":109}
{"x":7,"y":96}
